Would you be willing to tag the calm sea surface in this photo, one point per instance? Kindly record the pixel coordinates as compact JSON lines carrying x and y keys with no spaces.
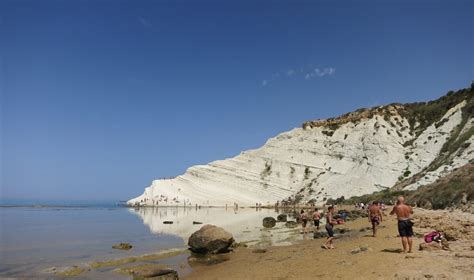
{"x":33,"y":239}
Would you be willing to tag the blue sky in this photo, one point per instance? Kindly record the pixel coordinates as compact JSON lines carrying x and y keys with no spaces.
{"x":98,"y":98}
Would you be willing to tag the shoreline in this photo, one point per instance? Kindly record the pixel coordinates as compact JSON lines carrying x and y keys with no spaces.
{"x":357,"y":254}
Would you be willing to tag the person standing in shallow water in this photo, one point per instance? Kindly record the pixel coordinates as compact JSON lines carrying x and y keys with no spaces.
{"x":405,"y":225}
{"x":375,"y":216}
{"x":330,"y":222}
{"x":304,"y":220}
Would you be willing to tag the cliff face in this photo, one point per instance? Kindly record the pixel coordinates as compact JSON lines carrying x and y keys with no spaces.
{"x":402,"y":146}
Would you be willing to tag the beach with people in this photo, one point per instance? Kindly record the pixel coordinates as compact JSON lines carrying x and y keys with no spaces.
{"x":360,"y":255}
{"x":275,"y":243}
{"x":236,"y":140}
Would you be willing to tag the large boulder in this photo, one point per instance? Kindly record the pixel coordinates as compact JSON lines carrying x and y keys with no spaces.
{"x":210,"y":239}
{"x":269,"y":222}
{"x":282,"y":218}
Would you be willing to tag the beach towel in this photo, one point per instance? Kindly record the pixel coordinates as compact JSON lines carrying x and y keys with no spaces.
{"x":433,"y":236}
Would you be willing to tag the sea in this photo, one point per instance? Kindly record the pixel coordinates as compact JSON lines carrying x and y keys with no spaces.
{"x":38,"y":236}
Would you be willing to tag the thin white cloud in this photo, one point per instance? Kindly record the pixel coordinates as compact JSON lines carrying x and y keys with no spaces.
{"x":144,"y":22}
{"x":307,"y":72}
{"x":320,"y":72}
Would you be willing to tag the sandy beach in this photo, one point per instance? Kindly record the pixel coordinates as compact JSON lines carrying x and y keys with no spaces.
{"x":358,"y":255}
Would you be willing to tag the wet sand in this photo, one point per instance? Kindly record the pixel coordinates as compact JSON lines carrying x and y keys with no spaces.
{"x":383,"y":260}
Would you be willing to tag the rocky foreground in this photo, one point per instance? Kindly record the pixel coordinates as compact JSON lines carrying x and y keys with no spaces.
{"x":359,"y":255}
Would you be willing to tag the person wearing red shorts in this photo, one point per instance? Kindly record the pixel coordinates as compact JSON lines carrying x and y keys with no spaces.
{"x":375,"y":216}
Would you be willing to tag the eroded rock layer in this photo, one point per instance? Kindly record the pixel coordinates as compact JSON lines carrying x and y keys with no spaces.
{"x":406,"y":146}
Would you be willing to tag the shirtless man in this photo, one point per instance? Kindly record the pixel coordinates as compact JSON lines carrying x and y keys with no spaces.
{"x":316,"y":218}
{"x":304,"y":220}
{"x":330,"y":222}
{"x":375,"y":216}
{"x":405,"y":225}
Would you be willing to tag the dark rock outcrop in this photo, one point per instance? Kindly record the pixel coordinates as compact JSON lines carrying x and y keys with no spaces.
{"x":122,"y":246}
{"x":282,"y":218}
{"x":149,"y":271}
{"x":269,"y":222}
{"x":161,"y":274}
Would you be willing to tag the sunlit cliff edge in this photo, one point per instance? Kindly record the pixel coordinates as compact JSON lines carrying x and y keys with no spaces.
{"x":398,"y":145}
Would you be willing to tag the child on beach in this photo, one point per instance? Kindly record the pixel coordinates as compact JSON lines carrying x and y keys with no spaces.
{"x":304,"y":220}
{"x":330,"y":222}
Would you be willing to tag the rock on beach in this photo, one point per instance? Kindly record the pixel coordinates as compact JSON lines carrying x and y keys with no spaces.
{"x":282,"y":218}
{"x":269,"y":222}
{"x":122,"y":246}
{"x":210,"y":239}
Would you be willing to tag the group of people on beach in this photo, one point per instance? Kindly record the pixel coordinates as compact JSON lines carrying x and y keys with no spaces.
{"x":375,"y":217}
{"x":304,"y":219}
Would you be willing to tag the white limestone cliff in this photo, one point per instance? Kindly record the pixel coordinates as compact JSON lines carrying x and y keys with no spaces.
{"x":356,"y":154}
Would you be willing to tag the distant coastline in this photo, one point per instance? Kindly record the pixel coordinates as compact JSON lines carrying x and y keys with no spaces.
{"x":46,"y":203}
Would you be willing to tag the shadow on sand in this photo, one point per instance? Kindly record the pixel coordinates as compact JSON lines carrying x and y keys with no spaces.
{"x":392,"y":250}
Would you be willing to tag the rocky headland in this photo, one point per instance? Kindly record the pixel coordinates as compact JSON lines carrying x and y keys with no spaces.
{"x":392,"y":147}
